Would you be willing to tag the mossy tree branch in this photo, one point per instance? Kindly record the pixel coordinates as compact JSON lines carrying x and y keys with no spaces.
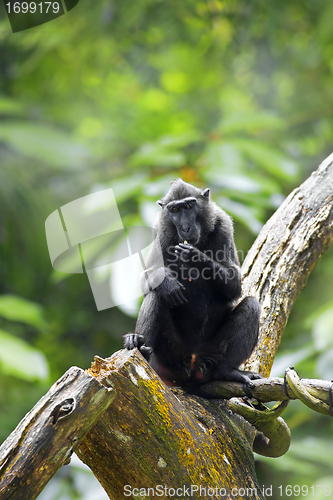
{"x":281,"y":259}
{"x":47,"y":436}
{"x":154,"y":435}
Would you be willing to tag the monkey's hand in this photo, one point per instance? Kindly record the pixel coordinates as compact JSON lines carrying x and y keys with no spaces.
{"x":188,"y":253}
{"x":172,"y":292}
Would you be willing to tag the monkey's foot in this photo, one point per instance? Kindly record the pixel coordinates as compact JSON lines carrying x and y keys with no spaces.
{"x":235,"y":375}
{"x":252,"y":375}
{"x":132,"y":340}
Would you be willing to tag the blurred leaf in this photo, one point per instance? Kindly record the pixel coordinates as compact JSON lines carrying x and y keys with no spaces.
{"x":165,"y":151}
{"x":44,"y":143}
{"x":306,"y":456}
{"x":281,"y":362}
{"x":158,"y":188}
{"x":324,"y":26}
{"x":176,"y":81}
{"x":221,"y":157}
{"x":272,"y":161}
{"x":128,"y":187}
{"x":181,"y":139}
{"x":241,"y":212}
{"x":157,"y":156}
{"x":10,"y":106}
{"x":19,"y":359}
{"x":251,"y":122}
{"x":149,"y":211}
{"x":324,"y":366}
{"x":323,"y":330}
{"x":315,"y":450}
{"x":288,"y":463}
{"x":234,"y":182}
{"x":16,"y":308}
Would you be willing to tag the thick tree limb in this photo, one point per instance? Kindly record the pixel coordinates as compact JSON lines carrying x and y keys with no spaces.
{"x":281,"y":259}
{"x":154,"y":435}
{"x":47,"y":436}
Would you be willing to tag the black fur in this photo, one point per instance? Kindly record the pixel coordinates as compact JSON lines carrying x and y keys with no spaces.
{"x":188,"y":326}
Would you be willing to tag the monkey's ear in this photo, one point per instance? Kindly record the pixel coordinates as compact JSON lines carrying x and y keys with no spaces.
{"x":206,"y":193}
{"x":160,"y":203}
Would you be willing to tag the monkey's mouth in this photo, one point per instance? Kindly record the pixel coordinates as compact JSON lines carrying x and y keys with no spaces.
{"x":191,"y":240}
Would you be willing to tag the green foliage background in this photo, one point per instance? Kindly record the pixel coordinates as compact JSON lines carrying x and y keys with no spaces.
{"x":231,"y":94}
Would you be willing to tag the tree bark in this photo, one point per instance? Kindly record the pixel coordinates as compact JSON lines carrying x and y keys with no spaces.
{"x":281,"y":259}
{"x":154,"y":435}
{"x":47,"y":436}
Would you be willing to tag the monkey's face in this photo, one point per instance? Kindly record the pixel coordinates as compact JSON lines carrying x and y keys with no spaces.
{"x":184,"y":215}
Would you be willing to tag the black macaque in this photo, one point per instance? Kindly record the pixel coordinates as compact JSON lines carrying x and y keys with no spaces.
{"x":189,"y":328}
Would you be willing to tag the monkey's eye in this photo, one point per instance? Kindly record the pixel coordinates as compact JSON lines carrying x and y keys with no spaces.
{"x":174,"y":209}
{"x":187,"y":206}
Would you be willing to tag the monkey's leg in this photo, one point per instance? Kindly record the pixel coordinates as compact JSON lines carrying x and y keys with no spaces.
{"x":241,"y":334}
{"x":158,"y":339}
{"x":145,"y":326}
{"x":154,"y":329}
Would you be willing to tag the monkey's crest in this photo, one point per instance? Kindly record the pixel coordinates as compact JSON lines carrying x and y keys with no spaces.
{"x":209,"y":214}
{"x":181,"y":189}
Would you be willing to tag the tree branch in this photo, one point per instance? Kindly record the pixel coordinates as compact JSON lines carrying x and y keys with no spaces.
{"x":281,"y":259}
{"x":266,"y":389}
{"x":47,"y":436}
{"x":154,"y":435}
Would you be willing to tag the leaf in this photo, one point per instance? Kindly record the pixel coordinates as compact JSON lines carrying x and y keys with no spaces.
{"x":149,"y":211}
{"x":322,"y":332}
{"x":324,"y":365}
{"x":306,"y":457}
{"x":240,"y":183}
{"x":319,"y":451}
{"x":44,"y":143}
{"x":19,"y":359}
{"x":16,"y":308}
{"x":10,"y":106}
{"x":127,"y":187}
{"x":289,"y":358}
{"x":324,"y":24}
{"x":251,"y":122}
{"x":271,"y":160}
{"x":165,"y":151}
{"x":155,"y":155}
{"x":180,"y":140}
{"x":220,"y":157}
{"x":241,"y":212}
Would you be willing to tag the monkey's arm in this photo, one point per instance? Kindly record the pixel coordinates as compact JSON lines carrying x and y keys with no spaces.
{"x":225,"y":273}
{"x":162,"y":283}
{"x":161,"y":280}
